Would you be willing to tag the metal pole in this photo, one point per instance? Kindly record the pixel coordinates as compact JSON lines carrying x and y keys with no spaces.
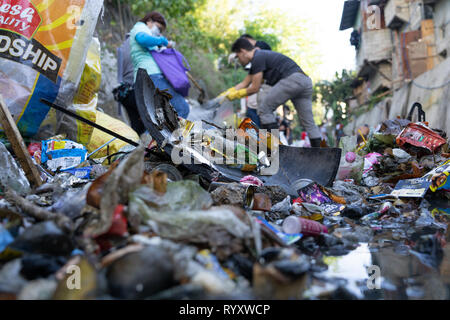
{"x":93,"y":124}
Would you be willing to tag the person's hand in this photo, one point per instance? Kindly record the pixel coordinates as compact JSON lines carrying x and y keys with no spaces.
{"x":237,"y":94}
{"x":226,"y":93}
{"x":164,"y":42}
{"x":171,"y":44}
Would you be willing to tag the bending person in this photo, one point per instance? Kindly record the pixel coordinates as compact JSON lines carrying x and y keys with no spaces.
{"x":288,"y":82}
{"x":144,"y":37}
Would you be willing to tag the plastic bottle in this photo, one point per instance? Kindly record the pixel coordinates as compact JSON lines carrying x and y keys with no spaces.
{"x":293,"y":224}
{"x":223,"y":146}
{"x":385,"y":207}
{"x":252,"y":131}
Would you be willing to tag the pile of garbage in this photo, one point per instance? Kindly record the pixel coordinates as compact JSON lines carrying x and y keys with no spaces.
{"x":132,"y":225}
{"x":98,"y":213}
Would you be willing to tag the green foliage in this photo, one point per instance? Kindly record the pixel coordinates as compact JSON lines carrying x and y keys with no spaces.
{"x":335,"y":94}
{"x":169,"y":8}
{"x":204,"y":31}
{"x":256,"y":30}
{"x":374,"y":99}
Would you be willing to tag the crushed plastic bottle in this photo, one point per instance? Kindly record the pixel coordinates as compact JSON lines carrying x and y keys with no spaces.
{"x":11,"y":175}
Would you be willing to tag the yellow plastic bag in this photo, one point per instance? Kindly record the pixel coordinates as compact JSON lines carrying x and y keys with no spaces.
{"x":99,"y":138}
{"x":92,"y":75}
{"x":85,"y":101}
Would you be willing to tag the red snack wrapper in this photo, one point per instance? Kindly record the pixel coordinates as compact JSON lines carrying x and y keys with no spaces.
{"x":420,"y":136}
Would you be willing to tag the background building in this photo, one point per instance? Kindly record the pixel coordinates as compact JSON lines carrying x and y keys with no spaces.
{"x":402,"y":49}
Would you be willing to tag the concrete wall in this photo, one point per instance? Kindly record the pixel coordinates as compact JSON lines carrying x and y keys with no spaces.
{"x":442,"y":25}
{"x":372,"y":118}
{"x":435,"y":102}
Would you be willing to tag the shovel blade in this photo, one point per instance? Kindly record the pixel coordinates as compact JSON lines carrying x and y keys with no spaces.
{"x":318,"y":164}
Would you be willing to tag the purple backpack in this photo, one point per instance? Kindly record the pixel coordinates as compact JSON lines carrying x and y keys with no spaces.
{"x":170,"y":61}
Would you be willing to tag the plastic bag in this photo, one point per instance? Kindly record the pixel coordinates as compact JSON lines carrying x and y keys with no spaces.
{"x":43,"y":47}
{"x":283,"y":206}
{"x":99,"y":138}
{"x":183,"y":195}
{"x":85,"y":101}
{"x":170,"y":61}
{"x":350,"y":170}
{"x":178,"y":214}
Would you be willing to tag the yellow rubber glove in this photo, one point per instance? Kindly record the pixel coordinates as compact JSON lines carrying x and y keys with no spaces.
{"x":226,"y":93}
{"x":237,"y":94}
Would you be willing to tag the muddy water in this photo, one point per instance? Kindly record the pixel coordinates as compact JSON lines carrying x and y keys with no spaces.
{"x":404,"y":274}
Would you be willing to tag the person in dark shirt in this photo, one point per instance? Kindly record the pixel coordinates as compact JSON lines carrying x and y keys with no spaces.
{"x":252,"y":101}
{"x":257,"y":43}
{"x":288,"y":82}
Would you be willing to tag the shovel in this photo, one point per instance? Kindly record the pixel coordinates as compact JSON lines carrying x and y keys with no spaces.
{"x":214,"y":103}
{"x":318,"y":164}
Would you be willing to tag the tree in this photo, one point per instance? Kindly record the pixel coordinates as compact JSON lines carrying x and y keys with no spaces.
{"x":333,"y":95}
{"x":204,"y":31}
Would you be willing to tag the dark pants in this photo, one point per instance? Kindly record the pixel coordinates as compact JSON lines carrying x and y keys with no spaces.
{"x":177,"y":101}
{"x":252,"y":114}
{"x":130,"y":106}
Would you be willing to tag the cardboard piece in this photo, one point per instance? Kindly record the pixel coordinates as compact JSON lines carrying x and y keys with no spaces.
{"x":412,"y":188}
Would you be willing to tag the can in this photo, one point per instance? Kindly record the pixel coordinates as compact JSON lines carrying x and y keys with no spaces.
{"x":256,"y":201}
{"x":261,"y":202}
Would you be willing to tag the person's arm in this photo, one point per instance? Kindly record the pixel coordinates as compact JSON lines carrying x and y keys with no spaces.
{"x":243,"y":89}
{"x":233,"y":90}
{"x":245,"y":83}
{"x":257,"y":80}
{"x":147,"y":41}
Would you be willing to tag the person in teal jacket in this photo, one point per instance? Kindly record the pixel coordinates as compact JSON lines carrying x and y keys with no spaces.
{"x":144,"y":37}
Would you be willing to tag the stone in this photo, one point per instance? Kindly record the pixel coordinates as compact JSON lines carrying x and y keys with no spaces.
{"x":141,"y":274}
{"x":46,"y":238}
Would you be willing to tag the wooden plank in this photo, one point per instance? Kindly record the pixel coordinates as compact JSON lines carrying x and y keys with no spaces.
{"x":18,"y":146}
{"x":397,"y":65}
{"x":428,"y":36}
{"x":406,"y":39}
{"x":417,"y":52}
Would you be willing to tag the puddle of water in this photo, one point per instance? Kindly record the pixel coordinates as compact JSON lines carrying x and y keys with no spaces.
{"x":403,"y":275}
{"x":351,"y":267}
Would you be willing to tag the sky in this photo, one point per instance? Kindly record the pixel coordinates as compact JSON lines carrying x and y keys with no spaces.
{"x":335,"y":45}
